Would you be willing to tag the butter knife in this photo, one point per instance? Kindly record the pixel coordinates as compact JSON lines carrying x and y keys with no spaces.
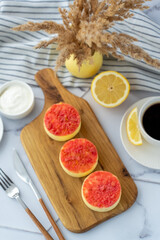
{"x":23,"y":174}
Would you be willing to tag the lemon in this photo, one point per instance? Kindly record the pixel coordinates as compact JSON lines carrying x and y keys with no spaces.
{"x":133,"y":128}
{"x":110,"y":88}
{"x":88,"y":68}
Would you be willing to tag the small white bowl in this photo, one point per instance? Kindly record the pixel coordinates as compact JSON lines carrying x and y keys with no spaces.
{"x":26,"y":111}
{"x":143,"y":109}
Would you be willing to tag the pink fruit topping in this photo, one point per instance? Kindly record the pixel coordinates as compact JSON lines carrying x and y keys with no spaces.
{"x":78,"y":155}
{"x":101,"y":189}
{"x":62,"y":119}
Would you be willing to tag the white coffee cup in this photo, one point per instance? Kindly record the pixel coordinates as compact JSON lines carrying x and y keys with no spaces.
{"x":142,"y":111}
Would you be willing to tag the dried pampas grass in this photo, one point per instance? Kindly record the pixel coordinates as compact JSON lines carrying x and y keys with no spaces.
{"x":84,"y":31}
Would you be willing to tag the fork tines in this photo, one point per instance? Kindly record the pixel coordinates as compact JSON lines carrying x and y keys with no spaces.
{"x":5,"y":181}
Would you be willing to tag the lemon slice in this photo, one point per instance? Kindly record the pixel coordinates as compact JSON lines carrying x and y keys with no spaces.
{"x":133,"y":128}
{"x":110,"y":88}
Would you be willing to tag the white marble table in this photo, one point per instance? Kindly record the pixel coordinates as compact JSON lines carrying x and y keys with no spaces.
{"x":141,"y":221}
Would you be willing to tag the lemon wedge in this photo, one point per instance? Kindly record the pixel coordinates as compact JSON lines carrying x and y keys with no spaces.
{"x":110,"y":88}
{"x":133,"y":128}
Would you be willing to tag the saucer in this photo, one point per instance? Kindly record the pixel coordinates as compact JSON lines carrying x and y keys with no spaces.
{"x":1,"y":129}
{"x":146,"y":154}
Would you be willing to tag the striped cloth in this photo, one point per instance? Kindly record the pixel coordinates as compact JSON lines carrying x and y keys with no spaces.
{"x":19,"y":61}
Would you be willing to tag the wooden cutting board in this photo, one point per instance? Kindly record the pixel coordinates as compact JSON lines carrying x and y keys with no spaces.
{"x":63,"y":190}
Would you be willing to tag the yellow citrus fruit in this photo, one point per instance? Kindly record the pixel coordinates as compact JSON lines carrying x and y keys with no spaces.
{"x":88,"y":68}
{"x":110,"y":88}
{"x":133,"y":128}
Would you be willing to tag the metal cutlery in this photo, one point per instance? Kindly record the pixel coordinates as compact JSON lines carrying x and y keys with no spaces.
{"x":23,"y":174}
{"x":12,"y":191}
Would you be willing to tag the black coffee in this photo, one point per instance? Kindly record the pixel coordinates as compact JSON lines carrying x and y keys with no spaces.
{"x":151,"y":121}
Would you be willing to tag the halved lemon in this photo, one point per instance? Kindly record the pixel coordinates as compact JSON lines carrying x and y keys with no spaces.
{"x":133,"y":128}
{"x":110,"y":88}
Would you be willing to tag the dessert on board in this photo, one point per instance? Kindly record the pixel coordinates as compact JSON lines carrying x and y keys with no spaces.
{"x":78,"y":157}
{"x":101,"y":191}
{"x":62,"y":121}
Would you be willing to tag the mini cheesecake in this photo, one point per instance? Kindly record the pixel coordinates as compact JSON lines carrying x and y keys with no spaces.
{"x":78,"y":157}
{"x":101,"y":191}
{"x":62,"y":122}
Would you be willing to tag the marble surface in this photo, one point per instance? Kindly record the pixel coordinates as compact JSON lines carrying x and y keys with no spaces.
{"x":141,"y":221}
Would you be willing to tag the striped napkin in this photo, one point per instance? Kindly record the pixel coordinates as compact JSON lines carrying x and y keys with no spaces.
{"x":19,"y":61}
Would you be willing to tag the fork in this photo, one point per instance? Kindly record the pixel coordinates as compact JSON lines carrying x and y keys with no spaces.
{"x":12,"y":191}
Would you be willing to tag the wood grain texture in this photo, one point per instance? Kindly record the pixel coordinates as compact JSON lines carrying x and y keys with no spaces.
{"x":63,"y":190}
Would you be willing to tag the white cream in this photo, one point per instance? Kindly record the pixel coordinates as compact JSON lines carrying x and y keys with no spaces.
{"x":15,"y":99}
